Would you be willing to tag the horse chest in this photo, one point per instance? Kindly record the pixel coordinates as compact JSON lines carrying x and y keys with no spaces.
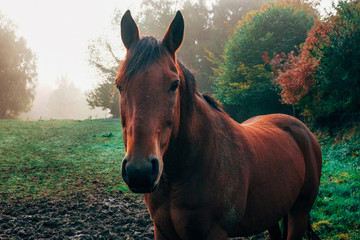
{"x":164,"y":224}
{"x":159,"y":209}
{"x":176,"y":221}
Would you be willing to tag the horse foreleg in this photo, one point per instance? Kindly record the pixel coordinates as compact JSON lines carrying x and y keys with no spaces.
{"x":217,"y":233}
{"x":159,"y":235}
{"x":285,"y":227}
{"x":275,"y":232}
{"x":297,"y":223}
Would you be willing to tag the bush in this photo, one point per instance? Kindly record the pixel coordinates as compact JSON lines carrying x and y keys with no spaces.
{"x":324,"y":80}
{"x":242,"y":79}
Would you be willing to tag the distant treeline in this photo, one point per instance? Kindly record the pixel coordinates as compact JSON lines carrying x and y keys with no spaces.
{"x":258,"y":57}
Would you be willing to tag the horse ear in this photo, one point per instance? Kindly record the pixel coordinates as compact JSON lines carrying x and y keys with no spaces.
{"x":129,"y":30}
{"x":174,"y":35}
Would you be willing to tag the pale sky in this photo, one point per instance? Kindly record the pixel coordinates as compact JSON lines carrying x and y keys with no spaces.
{"x":59,"y":31}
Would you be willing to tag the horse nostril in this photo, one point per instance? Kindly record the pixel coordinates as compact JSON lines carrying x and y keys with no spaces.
{"x":123,"y":169}
{"x":154,"y":169}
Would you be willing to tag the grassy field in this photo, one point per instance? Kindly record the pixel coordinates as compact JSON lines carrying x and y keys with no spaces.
{"x":57,"y":158}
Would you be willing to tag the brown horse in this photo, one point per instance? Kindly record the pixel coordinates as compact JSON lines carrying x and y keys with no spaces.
{"x":203,"y":175}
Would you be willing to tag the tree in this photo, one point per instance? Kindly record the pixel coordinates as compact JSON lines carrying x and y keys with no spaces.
{"x":67,"y":101}
{"x":243,"y":80}
{"x":331,"y":92}
{"x":18,"y":74}
{"x":106,"y":63}
{"x":207,"y":28}
{"x":105,"y":96}
{"x":294,"y":74}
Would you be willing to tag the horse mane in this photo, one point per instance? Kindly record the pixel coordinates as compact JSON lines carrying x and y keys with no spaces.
{"x":148,"y":50}
{"x":191,"y":90}
{"x":191,"y":87}
{"x":212,"y":102}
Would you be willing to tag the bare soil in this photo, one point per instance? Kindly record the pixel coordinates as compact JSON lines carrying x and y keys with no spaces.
{"x":78,"y":217}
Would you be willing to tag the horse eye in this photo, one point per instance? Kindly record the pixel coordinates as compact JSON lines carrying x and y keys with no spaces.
{"x":120,"y":88}
{"x":174,"y":86}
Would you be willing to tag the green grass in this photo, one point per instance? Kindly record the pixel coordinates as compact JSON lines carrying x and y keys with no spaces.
{"x":59,"y":157}
{"x":336,"y":214}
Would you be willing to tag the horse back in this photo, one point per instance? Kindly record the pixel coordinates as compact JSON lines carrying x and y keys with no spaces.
{"x":296,"y":131}
{"x":285,"y":134}
{"x":284,"y":164}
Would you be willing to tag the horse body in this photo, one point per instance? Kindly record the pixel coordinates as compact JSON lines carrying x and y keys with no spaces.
{"x":237,"y":186}
{"x":203,"y":175}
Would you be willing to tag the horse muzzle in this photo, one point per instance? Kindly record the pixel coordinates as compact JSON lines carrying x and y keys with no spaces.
{"x":141,"y":175}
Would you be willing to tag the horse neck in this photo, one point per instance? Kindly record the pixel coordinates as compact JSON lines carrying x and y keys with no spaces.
{"x":196,"y":142}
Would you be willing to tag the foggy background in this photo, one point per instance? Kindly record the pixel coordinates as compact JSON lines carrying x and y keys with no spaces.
{"x":65,"y":101}
{"x":59,"y":33}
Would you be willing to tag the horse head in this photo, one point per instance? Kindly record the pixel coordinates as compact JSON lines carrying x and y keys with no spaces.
{"x":149,"y":82}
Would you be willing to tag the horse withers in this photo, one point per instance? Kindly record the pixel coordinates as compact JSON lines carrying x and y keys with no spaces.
{"x":203,"y":175}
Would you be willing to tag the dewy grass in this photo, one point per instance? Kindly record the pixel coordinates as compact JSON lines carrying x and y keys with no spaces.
{"x":60,"y":157}
{"x":336,"y":214}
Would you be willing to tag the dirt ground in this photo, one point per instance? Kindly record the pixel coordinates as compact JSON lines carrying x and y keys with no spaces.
{"x":77,"y":217}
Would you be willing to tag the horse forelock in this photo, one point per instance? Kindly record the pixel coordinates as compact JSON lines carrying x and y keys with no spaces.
{"x":140,"y":56}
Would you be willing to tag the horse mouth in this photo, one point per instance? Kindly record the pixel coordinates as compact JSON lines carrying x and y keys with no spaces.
{"x":144,"y":190}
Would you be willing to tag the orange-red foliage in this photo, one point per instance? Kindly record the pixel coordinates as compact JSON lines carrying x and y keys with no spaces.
{"x":294,"y":73}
